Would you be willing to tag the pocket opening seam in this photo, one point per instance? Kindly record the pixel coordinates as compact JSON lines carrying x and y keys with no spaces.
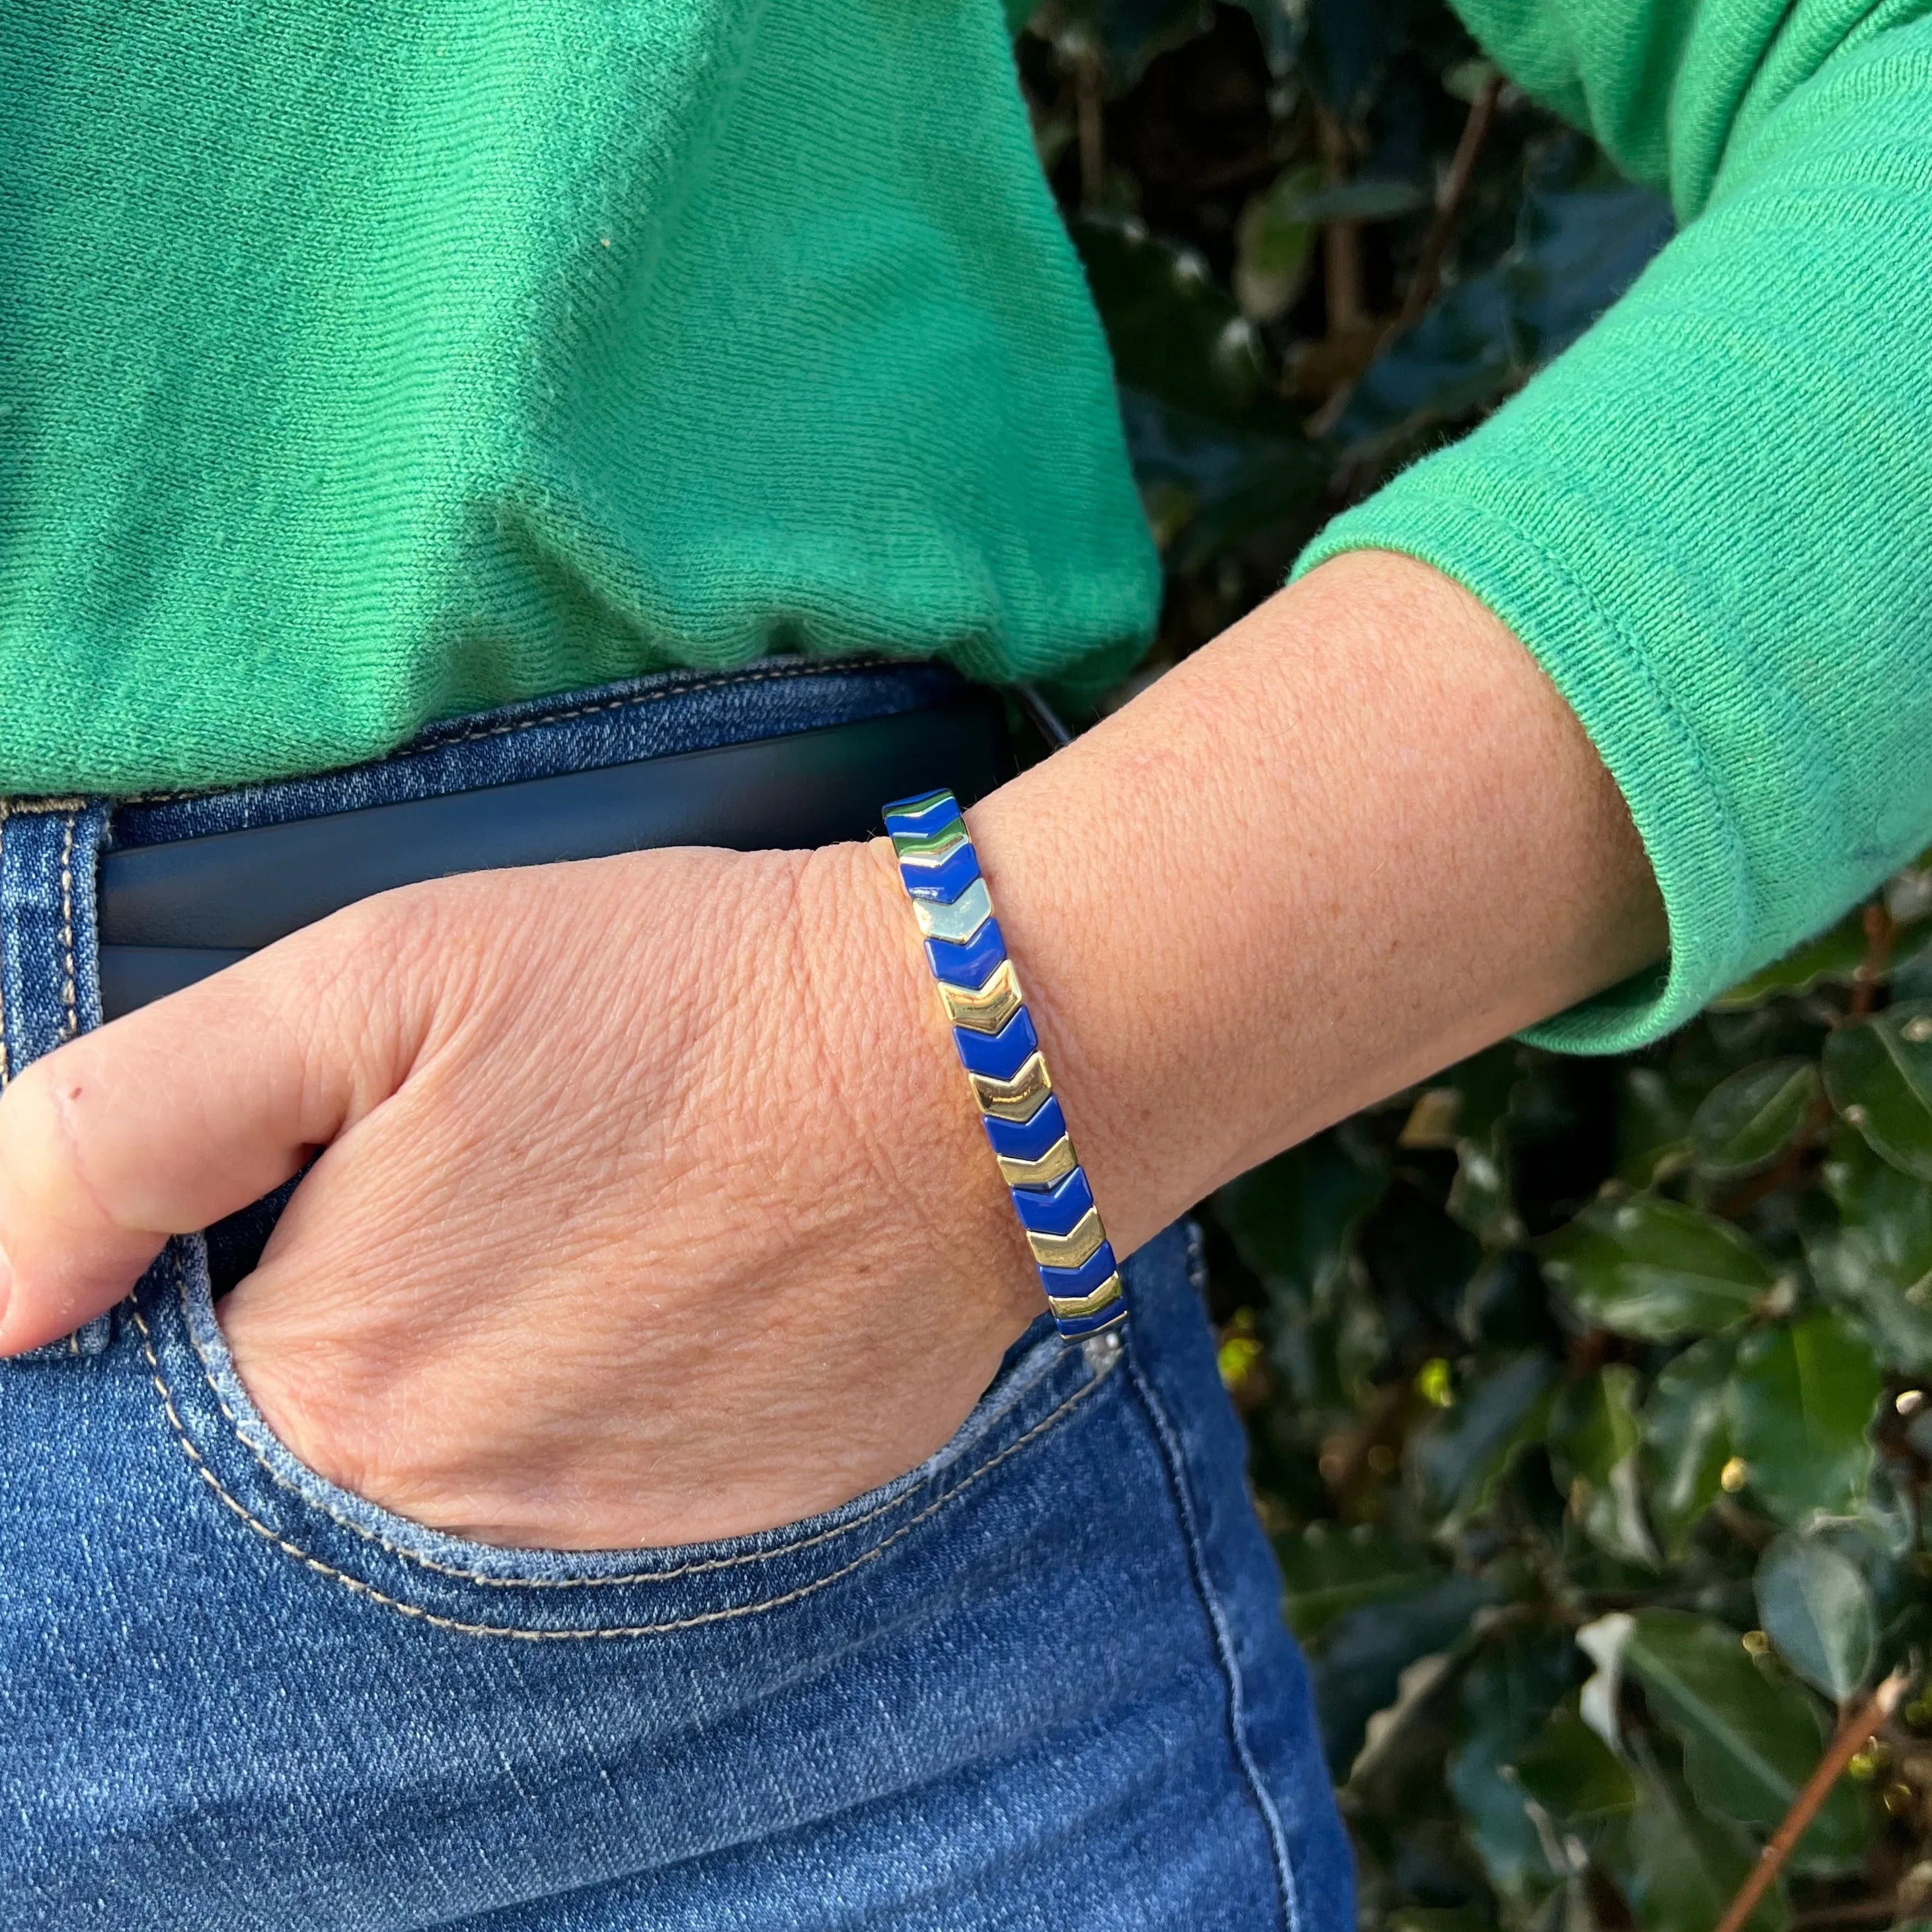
{"x":357,"y":1586}
{"x":702,"y":1567}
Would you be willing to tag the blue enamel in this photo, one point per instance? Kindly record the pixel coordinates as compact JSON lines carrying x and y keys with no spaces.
{"x":925,"y":813}
{"x":1027,"y":1140}
{"x":1001,"y":1054}
{"x":1057,"y":1211}
{"x":944,"y":883}
{"x":972,"y":964}
{"x":1084,"y":1279}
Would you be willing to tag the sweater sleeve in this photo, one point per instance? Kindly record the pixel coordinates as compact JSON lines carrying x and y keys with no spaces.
{"x":1711,"y":520}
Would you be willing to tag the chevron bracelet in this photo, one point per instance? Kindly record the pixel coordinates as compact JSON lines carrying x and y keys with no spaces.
{"x":996,"y":1043}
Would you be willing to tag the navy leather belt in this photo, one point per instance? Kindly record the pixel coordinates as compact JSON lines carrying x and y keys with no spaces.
{"x":173,"y":913}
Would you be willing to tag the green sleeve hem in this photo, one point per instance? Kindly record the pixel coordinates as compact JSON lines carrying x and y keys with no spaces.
{"x":1695,"y":846}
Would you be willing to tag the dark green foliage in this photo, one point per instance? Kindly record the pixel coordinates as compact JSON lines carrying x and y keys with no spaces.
{"x":1584,"y":1396}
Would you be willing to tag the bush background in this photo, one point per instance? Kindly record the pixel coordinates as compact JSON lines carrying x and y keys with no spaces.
{"x":1584,"y":1395}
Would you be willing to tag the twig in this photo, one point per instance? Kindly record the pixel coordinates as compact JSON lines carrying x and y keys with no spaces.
{"x":1087,"y":105}
{"x":1881,"y":929}
{"x":1342,"y":266}
{"x":1341,"y":240}
{"x":1448,"y":206}
{"x":1851,"y":1734}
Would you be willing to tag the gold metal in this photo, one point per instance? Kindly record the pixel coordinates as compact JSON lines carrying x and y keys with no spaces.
{"x":1070,"y":1251}
{"x":1017,"y":1099}
{"x":930,"y":848}
{"x":1051,"y":1168}
{"x":989,"y":1009}
{"x":960,"y":920}
{"x":1071,"y":1307}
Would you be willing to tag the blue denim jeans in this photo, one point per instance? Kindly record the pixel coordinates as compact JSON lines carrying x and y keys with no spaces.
{"x":1041,"y":1680}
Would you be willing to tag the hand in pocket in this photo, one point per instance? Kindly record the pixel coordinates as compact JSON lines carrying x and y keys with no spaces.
{"x":650,"y":1208}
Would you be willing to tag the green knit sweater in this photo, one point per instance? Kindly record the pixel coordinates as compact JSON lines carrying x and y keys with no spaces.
{"x":364,"y":362}
{"x":1711,"y":520}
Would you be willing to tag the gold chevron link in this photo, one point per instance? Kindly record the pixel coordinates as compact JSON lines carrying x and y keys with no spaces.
{"x":1017,"y":1099}
{"x":1051,"y":1168}
{"x":988,"y":1010}
{"x":960,"y":920}
{"x":1071,"y":1307}
{"x":929,"y":848}
{"x":1070,"y":1251}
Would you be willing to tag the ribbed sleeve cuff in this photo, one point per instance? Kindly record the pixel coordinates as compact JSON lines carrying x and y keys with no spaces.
{"x":1604,"y":674}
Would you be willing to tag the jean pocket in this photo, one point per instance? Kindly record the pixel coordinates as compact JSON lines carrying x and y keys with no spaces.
{"x":264,"y":1492}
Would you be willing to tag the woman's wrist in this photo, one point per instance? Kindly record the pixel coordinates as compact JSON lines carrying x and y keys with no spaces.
{"x":1357,"y":837}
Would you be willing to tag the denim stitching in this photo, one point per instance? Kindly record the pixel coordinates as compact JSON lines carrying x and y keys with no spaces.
{"x":640,"y":700}
{"x":1197,"y":1561}
{"x":67,"y":1001}
{"x":408,"y":1556}
{"x":777,"y":673}
{"x":356,"y":1586}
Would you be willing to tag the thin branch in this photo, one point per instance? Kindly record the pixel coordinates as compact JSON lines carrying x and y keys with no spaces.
{"x":1428,"y":264}
{"x":1881,"y":929}
{"x":1342,"y":248}
{"x":1852,"y":1733}
{"x":1088,"y":101}
{"x":1341,"y":240}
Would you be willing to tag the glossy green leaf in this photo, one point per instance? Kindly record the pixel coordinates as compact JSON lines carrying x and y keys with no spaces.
{"x":1750,"y":1739}
{"x":1127,"y":34}
{"x":1358,"y":1663}
{"x":1273,"y":243}
{"x":1295,"y":1219}
{"x":1677,"y":1869}
{"x":1655,"y":1269}
{"x":1813,"y":1604}
{"x":1594,"y":1439}
{"x":1459,"y":1459}
{"x":1687,"y":1438}
{"x":1573,"y":1774}
{"x":1329,"y":1572}
{"x":1653,"y":1126}
{"x":1875,"y":1265}
{"x":1508,"y":1695}
{"x":1745,"y":1122}
{"x":1879,"y":1074}
{"x":1174,"y":333}
{"x":1802,"y":1400}
{"x":1206,"y":484}
{"x":1364,"y":199}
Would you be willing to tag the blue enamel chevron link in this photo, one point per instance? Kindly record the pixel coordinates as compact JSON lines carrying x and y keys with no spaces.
{"x":969,"y":965}
{"x":1067,"y":1282}
{"x":1027,"y":1140}
{"x":945,"y":881}
{"x":1076,"y":1327}
{"x":1001,"y":1054}
{"x":1057,"y":1211}
{"x":926,"y":813}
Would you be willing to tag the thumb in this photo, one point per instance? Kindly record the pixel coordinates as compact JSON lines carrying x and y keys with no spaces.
{"x":184,"y":1111}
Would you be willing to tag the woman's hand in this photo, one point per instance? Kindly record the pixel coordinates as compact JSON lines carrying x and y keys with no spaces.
{"x":653,"y":1206}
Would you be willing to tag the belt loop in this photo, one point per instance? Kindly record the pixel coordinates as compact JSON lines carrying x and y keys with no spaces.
{"x":49,"y":957}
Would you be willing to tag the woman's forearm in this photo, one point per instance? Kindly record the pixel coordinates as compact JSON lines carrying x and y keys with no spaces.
{"x":1356,"y":838}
